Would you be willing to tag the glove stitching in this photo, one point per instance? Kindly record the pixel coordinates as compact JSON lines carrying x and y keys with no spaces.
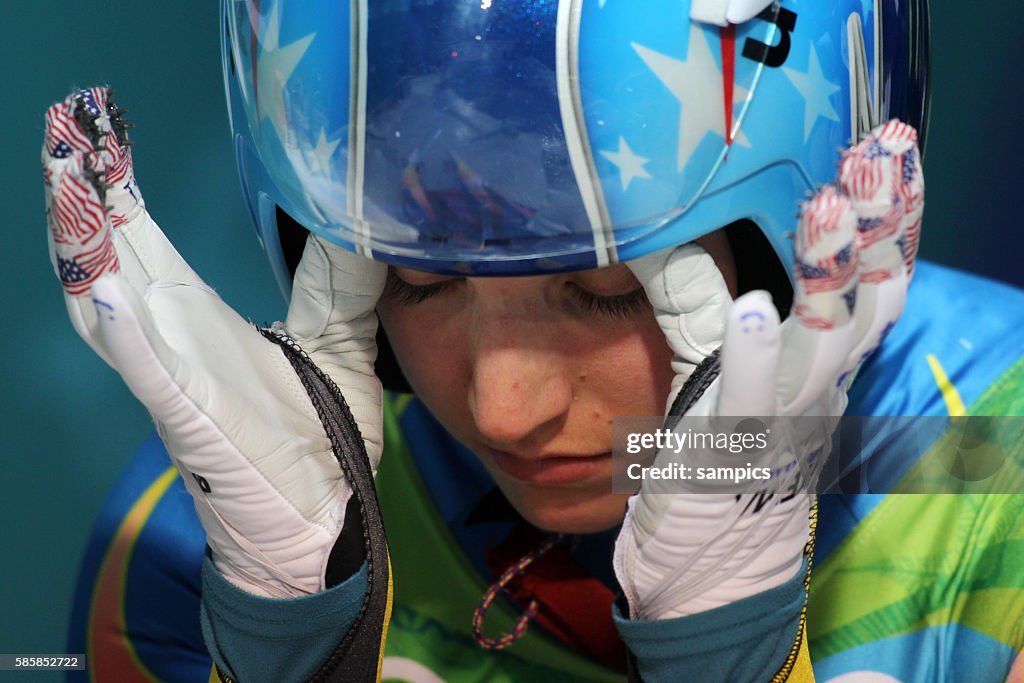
{"x":704,"y":375}
{"x":348,"y":444}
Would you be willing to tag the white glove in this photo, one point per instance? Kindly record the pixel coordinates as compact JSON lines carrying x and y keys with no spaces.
{"x":700,"y":549}
{"x":233,"y":413}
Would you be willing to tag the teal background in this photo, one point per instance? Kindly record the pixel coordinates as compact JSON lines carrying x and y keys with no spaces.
{"x":67,"y":423}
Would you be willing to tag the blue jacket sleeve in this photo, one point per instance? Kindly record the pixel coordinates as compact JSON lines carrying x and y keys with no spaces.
{"x":748,"y":640}
{"x":252,"y":638}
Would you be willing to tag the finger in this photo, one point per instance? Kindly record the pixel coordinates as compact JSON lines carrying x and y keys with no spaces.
{"x":690,"y":298}
{"x":882,"y":182}
{"x":152,"y":370}
{"x":89,"y":123}
{"x":869,"y":175}
{"x":78,"y":264}
{"x":335,"y":294}
{"x":826,"y":262}
{"x":819,"y":338}
{"x":900,"y":140}
{"x":83,"y":246}
{"x":332,"y":315}
{"x":750,"y":358}
{"x":82,"y":243}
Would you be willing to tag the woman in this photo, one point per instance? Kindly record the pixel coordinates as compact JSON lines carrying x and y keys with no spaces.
{"x":526,"y":373}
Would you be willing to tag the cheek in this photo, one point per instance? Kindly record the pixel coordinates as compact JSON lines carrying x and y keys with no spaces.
{"x":662,"y":373}
{"x":633,"y":374}
{"x":431,"y":355}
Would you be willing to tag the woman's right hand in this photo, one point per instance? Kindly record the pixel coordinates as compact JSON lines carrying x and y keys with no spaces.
{"x":269,"y":472}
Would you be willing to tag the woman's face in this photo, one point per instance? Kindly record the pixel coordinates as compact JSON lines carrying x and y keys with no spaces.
{"x":529,"y":372}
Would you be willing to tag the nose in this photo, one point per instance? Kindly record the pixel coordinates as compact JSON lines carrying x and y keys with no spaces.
{"x":520,"y":389}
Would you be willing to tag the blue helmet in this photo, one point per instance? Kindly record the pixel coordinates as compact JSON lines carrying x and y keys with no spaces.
{"x":503,"y":137}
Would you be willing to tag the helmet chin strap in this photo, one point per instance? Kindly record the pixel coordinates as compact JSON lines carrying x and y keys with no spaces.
{"x":722,"y":12}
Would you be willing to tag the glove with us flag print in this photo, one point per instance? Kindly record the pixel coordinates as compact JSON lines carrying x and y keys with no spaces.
{"x":277,"y":433}
{"x":700,"y":548}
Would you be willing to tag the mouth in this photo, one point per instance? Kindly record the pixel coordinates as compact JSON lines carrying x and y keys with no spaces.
{"x":552,"y":470}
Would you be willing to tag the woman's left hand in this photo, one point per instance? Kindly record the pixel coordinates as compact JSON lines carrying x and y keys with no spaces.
{"x":703,"y":547}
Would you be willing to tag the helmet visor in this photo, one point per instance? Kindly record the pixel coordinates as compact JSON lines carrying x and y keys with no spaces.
{"x":498,"y":136}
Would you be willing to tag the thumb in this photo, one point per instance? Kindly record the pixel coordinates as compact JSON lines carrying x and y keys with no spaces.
{"x":334,"y":292}
{"x":689,"y":297}
{"x":750,"y":358}
{"x":332,"y":317}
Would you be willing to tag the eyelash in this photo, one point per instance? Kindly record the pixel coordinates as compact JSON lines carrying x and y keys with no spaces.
{"x":410,"y":295}
{"x":619,"y":306}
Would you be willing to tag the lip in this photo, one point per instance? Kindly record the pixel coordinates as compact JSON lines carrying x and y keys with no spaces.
{"x":553,"y":469}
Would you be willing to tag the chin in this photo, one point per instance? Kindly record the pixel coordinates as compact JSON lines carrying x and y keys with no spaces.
{"x":568,"y":512}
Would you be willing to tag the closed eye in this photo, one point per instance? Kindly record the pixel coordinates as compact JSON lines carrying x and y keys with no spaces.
{"x":409,"y":294}
{"x":615,"y":306}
